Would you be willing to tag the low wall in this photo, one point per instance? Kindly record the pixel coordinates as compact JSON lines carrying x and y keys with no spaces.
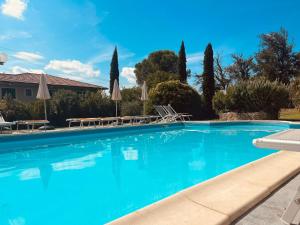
{"x":243,"y":116}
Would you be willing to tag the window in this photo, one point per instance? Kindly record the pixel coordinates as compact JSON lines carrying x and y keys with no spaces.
{"x":8,"y":92}
{"x":28,"y":92}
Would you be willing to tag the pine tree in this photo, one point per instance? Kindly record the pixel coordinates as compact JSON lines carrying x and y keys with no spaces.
{"x":181,"y":64}
{"x":114,"y":70}
{"x":208,"y":81}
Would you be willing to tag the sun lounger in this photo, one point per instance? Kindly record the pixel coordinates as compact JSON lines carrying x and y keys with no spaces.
{"x":181,"y":116}
{"x":31,"y":123}
{"x":4,"y":124}
{"x":93,"y":121}
{"x":146,"y":118}
{"x":110,"y":120}
{"x":165,"y":116}
{"x":129,"y":119}
{"x":90,"y":121}
{"x":73,"y":120}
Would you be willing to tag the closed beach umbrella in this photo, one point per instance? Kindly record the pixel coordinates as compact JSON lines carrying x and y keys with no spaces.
{"x":144,"y":96}
{"x":116,"y":95}
{"x":43,"y":92}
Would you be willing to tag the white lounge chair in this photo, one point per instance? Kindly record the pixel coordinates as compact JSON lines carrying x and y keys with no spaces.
{"x":32,"y":123}
{"x":181,"y":116}
{"x":4,"y":124}
{"x":165,"y":116}
{"x":93,"y":121}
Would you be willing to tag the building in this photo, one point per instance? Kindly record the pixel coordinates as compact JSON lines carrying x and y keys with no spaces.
{"x":24,"y":87}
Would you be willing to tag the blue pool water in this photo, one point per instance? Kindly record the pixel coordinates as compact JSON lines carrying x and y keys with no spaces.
{"x":94,"y":177}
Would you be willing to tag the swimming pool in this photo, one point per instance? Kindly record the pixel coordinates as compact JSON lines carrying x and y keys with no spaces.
{"x":95,"y":176}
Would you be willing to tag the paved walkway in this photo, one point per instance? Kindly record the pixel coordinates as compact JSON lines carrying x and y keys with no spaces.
{"x":270,"y":211}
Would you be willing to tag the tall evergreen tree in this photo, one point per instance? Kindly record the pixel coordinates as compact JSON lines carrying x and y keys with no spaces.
{"x":208,"y":80}
{"x":181,"y":64}
{"x":114,"y":70}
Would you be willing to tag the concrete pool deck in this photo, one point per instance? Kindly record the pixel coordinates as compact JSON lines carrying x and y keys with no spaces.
{"x":271,"y":209}
{"x":223,"y":199}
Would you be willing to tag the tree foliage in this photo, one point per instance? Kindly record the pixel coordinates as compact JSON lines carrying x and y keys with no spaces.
{"x":181,"y":96}
{"x":164,"y":60}
{"x":159,"y":76}
{"x":242,"y":68}
{"x":276,"y":59}
{"x":253,"y":96}
{"x":64,"y":104}
{"x":181,"y":65}
{"x":294,"y":89}
{"x":222,"y":77}
{"x":114,"y":70}
{"x":131,"y":104}
{"x":208,"y":80}
{"x":13,"y":110}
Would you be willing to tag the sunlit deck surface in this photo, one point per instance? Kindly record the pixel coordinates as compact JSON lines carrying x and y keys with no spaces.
{"x":270,"y":210}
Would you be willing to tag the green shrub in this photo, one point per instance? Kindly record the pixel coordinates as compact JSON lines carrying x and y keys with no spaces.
{"x":160,"y":76}
{"x":131,"y":94}
{"x":131,"y":104}
{"x":253,"y":96}
{"x":96,"y":104}
{"x":220,"y":101}
{"x":14,"y":110}
{"x":132,"y":108}
{"x":181,"y":96}
{"x":64,"y":104}
{"x":294,"y":90}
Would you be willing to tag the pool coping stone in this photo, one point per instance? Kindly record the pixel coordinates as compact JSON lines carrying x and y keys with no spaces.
{"x":223,"y":199}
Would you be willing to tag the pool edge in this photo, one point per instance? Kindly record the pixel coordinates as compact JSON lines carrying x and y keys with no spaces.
{"x":222,"y":199}
{"x":92,"y":129}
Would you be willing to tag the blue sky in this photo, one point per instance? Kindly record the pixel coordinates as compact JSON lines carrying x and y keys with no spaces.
{"x":75,"y":38}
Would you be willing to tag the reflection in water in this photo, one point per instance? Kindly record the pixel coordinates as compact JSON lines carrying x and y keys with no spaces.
{"x":45,"y":174}
{"x":116,"y":162}
{"x":130,"y":154}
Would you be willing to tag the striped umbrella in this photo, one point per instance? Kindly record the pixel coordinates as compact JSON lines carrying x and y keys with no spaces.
{"x":116,"y":95}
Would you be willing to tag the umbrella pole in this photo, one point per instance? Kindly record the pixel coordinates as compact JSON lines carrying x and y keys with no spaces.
{"x":116,"y":108}
{"x":144,"y":108}
{"x":45,"y":107}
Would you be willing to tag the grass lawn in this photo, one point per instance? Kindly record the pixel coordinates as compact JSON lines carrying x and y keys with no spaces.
{"x":290,"y":114}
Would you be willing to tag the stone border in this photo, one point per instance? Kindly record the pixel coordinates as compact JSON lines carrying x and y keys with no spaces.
{"x":220,"y":200}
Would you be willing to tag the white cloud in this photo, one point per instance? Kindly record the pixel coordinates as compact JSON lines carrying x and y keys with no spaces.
{"x":14,"y":34}
{"x":73,"y":67}
{"x":14,"y":8}
{"x":19,"y":69}
{"x":128,"y":73}
{"x":195,"y":58}
{"x":28,"y":56}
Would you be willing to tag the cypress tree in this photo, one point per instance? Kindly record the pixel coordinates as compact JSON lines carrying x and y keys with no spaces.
{"x":114,"y":70}
{"x":181,"y":64}
{"x":208,"y":81}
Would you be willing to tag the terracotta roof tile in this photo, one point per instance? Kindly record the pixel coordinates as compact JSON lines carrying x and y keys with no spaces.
{"x":32,"y":78}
